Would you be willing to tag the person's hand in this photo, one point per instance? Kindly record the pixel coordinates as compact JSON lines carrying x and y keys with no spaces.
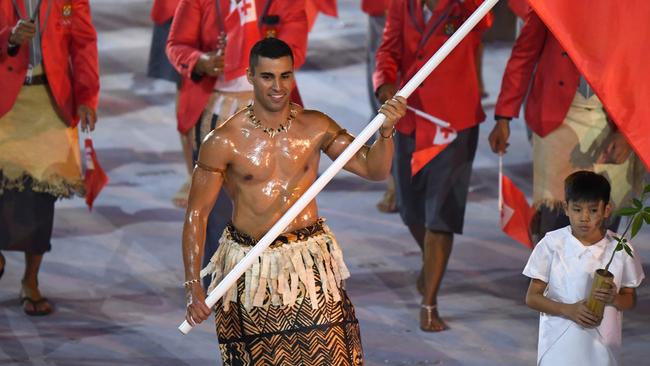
{"x":196,"y":311}
{"x":22,"y":32}
{"x":581,"y":315}
{"x":386,"y":92}
{"x":87,"y":118}
{"x":617,"y":150}
{"x":607,"y":295}
{"x":394,"y":109}
{"x":210,"y":63}
{"x":499,"y":136}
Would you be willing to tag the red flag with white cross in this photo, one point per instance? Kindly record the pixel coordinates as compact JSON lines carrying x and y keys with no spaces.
{"x":434,"y":135}
{"x":242,"y":33}
{"x":514,"y":211}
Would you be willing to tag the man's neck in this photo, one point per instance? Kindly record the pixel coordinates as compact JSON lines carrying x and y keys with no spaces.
{"x":271,"y":118}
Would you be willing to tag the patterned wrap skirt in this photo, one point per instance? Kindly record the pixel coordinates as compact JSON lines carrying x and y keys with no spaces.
{"x":290,"y":307}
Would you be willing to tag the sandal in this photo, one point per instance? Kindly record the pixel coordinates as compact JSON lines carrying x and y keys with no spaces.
{"x":27,"y":298}
{"x":180,"y":198}
{"x":429,"y":319}
{"x":35,"y":304}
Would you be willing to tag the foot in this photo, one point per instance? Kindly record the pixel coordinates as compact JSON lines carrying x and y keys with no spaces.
{"x":419,"y":285}
{"x":388,"y":203}
{"x":33,"y":303}
{"x":430,"y":320}
{"x":180,"y":198}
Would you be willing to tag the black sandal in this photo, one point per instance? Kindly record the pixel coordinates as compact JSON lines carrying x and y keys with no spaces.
{"x":35,"y":304}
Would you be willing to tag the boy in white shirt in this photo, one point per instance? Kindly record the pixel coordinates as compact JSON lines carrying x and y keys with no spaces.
{"x":561,"y":269}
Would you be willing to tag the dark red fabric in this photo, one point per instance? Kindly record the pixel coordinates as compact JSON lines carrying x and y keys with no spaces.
{"x":537,"y":56}
{"x":374,"y":7}
{"x":195,"y":30}
{"x":519,"y":7}
{"x":69,"y":46}
{"x":163,"y":10}
{"x":609,"y":45}
{"x":95,"y":178}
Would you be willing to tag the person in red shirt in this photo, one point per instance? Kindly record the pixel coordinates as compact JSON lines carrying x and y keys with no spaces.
{"x":49,"y":77}
{"x":432,"y":201}
{"x":376,"y":10}
{"x":196,"y":49}
{"x":571,"y":129}
{"x":159,"y":67}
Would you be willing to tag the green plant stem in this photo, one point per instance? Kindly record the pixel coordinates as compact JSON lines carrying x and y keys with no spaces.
{"x":619,"y":242}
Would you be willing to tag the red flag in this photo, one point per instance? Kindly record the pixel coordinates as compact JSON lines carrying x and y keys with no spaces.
{"x":607,"y":41}
{"x":429,"y":143}
{"x":515,"y":213}
{"x":95,"y":178}
{"x":313,"y":7}
{"x":242,"y":33}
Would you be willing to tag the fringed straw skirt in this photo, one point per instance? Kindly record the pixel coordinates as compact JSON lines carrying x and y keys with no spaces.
{"x":290,"y":308}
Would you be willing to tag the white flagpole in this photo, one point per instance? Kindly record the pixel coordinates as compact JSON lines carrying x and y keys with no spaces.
{"x":428,"y":117}
{"x":231,"y":278}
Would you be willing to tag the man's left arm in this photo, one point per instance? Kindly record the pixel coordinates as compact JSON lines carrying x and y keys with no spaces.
{"x":85,"y":64}
{"x":370,"y":162}
{"x":294,"y":29}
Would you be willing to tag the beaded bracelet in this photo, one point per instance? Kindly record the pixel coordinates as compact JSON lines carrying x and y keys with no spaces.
{"x":190,"y":282}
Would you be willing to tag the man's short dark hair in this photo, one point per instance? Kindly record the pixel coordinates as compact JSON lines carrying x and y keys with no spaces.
{"x":586,"y":186}
{"x":270,"y":47}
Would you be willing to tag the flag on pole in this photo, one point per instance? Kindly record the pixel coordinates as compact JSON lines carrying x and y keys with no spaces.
{"x":242,"y":33}
{"x":95,"y":178}
{"x":607,"y":41}
{"x":313,"y":7}
{"x":429,"y":142}
{"x":514,"y":210}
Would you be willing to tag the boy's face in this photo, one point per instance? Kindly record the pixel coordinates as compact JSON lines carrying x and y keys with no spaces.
{"x":587,"y":218}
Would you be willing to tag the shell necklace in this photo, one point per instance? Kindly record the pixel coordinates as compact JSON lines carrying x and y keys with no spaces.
{"x":284,"y":127}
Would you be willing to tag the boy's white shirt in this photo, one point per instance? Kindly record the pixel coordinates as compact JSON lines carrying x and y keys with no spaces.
{"x":568,"y":266}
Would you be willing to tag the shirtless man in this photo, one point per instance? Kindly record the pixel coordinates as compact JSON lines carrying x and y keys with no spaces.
{"x":290,"y":307}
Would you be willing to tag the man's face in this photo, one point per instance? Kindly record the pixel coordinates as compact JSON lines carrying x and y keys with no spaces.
{"x":587,"y":218}
{"x":272,"y":81}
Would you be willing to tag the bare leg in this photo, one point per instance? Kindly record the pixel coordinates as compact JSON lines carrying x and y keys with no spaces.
{"x":30,"y":285}
{"x":418,"y":232}
{"x":180,"y":198}
{"x":437,"y":249}
{"x":388,"y":203}
{"x":186,"y":143}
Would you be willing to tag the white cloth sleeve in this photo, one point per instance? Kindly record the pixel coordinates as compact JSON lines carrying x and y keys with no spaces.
{"x":632,"y":270}
{"x":539,"y":263}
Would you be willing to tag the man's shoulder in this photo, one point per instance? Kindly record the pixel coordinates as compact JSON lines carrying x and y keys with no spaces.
{"x":227,"y":131}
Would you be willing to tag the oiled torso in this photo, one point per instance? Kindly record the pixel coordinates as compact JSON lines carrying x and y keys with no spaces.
{"x":265,"y":175}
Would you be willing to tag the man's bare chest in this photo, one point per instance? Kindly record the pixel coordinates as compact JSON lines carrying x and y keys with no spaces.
{"x":283,"y":157}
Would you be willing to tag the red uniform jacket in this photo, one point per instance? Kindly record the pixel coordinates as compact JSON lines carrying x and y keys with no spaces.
{"x":163,"y":10}
{"x":537,"y":55}
{"x":374,"y":7}
{"x":196,"y":30}
{"x":451,"y":92}
{"x":69,"y":46}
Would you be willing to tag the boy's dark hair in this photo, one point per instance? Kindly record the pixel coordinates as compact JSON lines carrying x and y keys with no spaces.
{"x":270,"y":47}
{"x":586,"y":186}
